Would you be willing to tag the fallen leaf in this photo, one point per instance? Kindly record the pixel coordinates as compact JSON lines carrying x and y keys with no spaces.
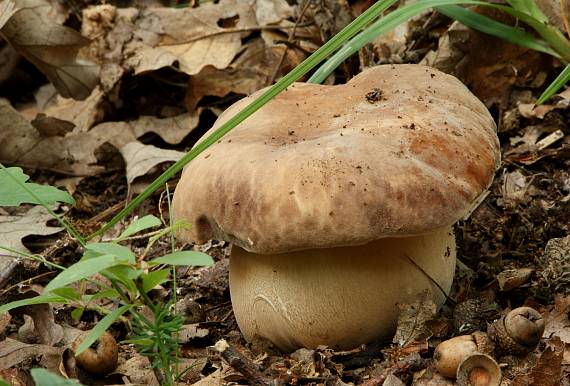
{"x":548,"y":369}
{"x":413,"y":318}
{"x":141,"y":159}
{"x":560,"y":101}
{"x":138,"y":370}
{"x":76,"y":152}
{"x":13,"y":353}
{"x":489,"y":66}
{"x":214,"y":379}
{"x":82,"y":114}
{"x":556,"y":320}
{"x":4,"y":322}
{"x":33,"y":222}
{"x":7,"y":10}
{"x":192,"y":37}
{"x":191,"y":331}
{"x":52,"y":48}
{"x":513,"y":278}
{"x":253,"y":70}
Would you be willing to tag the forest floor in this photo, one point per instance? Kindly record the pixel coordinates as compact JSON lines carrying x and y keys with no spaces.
{"x":167,"y":72}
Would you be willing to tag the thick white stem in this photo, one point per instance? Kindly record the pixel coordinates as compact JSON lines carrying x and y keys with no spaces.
{"x":339,"y":297}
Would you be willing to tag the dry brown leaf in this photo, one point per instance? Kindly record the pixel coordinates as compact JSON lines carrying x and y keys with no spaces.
{"x":556,"y":320}
{"x":214,"y":379}
{"x":141,"y":159}
{"x":33,"y":222}
{"x":548,"y":369}
{"x":560,"y":101}
{"x":13,"y":353}
{"x":513,"y":278}
{"x":192,"y":37}
{"x":253,"y":70}
{"x":76,"y":153}
{"x":52,"y":48}
{"x":489,"y":66}
{"x":7,"y":10}
{"x":412,"y":320}
{"x":138,"y":369}
{"x":83,"y":114}
{"x":15,"y":377}
{"x":191,"y":331}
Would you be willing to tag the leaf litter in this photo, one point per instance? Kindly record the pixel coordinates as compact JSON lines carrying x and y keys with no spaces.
{"x":166,"y":72}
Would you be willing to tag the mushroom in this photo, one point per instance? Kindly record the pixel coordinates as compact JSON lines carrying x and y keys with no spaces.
{"x":340,"y":201}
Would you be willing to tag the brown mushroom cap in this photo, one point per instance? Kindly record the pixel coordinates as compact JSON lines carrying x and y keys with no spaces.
{"x":397,"y":151}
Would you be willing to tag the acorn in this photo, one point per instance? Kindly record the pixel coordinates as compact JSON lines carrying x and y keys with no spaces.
{"x":518,"y":332}
{"x":101,"y":358}
{"x":479,"y":370}
{"x":450,"y":353}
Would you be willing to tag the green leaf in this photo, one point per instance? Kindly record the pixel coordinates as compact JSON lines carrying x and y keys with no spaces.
{"x":111,"y":249}
{"x":3,"y":383}
{"x":184,"y":258}
{"x":68,"y":293}
{"x":154,"y":278}
{"x":41,"y":299}
{"x":43,"y":377}
{"x":12,"y":193}
{"x":83,"y":269}
{"x":139,"y":225}
{"x":124,"y":274}
{"x":101,"y":327}
{"x":557,"y":84}
{"x":109,"y":294}
{"x":77,"y":313}
{"x":492,"y":27}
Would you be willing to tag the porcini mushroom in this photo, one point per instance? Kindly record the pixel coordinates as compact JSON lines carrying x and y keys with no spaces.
{"x":340,"y":201}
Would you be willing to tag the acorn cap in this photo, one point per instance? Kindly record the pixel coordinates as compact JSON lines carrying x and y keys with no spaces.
{"x":518,"y":332}
{"x":479,"y":370}
{"x":400,"y":150}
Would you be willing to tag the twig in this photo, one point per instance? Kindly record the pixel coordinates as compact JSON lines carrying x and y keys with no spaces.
{"x":241,"y":363}
{"x":233,"y":31}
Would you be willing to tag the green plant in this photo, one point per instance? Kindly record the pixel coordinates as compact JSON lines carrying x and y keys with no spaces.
{"x":128,"y":280}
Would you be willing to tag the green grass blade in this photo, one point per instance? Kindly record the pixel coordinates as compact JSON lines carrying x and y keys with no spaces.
{"x":530,"y":8}
{"x":308,"y":64}
{"x":101,"y":327}
{"x":40,"y":299}
{"x":492,"y":27}
{"x":557,"y":84}
{"x":379,"y":27}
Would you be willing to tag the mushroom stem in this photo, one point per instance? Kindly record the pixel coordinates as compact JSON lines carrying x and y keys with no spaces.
{"x":339,"y":297}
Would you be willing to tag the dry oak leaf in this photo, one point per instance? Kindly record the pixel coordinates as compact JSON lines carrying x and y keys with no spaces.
{"x":33,"y":222}
{"x":141,"y":159}
{"x":192,"y":37}
{"x":13,"y":352}
{"x":75,"y":153}
{"x":52,"y":48}
{"x":251,"y":71}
